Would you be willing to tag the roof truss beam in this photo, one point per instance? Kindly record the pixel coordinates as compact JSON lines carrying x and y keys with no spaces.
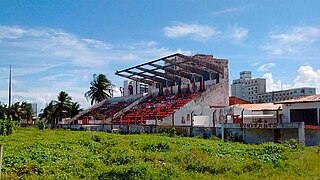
{"x":171,"y":78}
{"x":160,"y":80}
{"x":178,"y":73}
{"x":137,"y":79}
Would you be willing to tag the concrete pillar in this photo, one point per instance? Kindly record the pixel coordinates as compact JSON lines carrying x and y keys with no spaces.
{"x":301,"y":134}
{"x":318,"y":113}
{"x":222,"y":131}
{"x":160,"y":89}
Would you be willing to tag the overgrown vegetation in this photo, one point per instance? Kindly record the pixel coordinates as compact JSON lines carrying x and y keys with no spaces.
{"x":63,"y":154}
{"x":6,"y":126}
{"x":41,"y":124}
{"x":19,"y":112}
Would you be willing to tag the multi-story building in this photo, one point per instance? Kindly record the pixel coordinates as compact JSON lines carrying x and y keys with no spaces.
{"x":254,"y":90}
{"x":247,"y":88}
{"x":274,"y":96}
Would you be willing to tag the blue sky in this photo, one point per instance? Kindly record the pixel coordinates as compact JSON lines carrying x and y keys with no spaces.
{"x":57,"y":46}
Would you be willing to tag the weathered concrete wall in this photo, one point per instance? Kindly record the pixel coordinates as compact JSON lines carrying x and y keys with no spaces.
{"x":312,"y":137}
{"x":257,"y":136}
{"x":287,"y":134}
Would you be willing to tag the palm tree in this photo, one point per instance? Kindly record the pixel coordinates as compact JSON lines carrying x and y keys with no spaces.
{"x":21,"y":112}
{"x":48,"y":112}
{"x":74,"y":109}
{"x":62,"y":106}
{"x":101,"y":89}
{"x":27,"y":111}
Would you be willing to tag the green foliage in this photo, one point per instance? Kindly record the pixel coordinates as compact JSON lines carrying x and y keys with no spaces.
{"x":6,"y":126}
{"x":62,"y":154}
{"x":21,"y":111}
{"x":100,"y":89}
{"x":61,"y":108}
{"x":41,"y":124}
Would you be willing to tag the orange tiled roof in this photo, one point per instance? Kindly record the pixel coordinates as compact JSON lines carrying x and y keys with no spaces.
{"x":260,"y":106}
{"x":312,"y":98}
{"x":235,"y":100}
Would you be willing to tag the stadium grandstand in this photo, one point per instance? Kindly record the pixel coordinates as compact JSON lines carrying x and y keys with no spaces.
{"x":168,"y":90}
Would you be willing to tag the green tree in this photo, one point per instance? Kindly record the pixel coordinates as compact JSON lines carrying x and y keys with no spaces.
{"x":62,"y":106}
{"x":56,"y":110}
{"x":3,"y":111}
{"x":21,"y":112}
{"x":48,"y":113}
{"x":26,"y":111}
{"x":75,"y":109}
{"x":101,"y":89}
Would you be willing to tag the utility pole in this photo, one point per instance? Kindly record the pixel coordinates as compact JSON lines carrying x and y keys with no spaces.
{"x":10,"y":91}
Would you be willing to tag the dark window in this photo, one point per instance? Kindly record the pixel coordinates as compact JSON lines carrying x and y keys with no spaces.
{"x":308,"y":116}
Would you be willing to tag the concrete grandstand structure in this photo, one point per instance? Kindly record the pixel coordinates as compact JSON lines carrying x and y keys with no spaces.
{"x":178,"y":88}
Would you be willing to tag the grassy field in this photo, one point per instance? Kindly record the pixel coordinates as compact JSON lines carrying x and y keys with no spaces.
{"x":62,"y":154}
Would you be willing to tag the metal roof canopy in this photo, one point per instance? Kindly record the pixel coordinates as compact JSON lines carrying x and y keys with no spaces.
{"x":185,"y":71}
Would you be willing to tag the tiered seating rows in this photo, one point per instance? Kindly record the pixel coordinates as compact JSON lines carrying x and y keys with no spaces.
{"x":106,"y":109}
{"x":159,"y":108}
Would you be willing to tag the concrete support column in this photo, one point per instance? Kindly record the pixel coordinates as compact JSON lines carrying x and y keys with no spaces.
{"x":160,"y":89}
{"x":301,"y":134}
{"x":222,"y":131}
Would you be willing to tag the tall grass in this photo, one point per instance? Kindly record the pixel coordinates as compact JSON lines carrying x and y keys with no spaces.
{"x":62,"y":154}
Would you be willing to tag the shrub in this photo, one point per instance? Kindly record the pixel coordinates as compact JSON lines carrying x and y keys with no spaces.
{"x":6,"y":126}
{"x":96,"y":138}
{"x":136,"y":171}
{"x":159,"y":147}
{"x":41,"y":124}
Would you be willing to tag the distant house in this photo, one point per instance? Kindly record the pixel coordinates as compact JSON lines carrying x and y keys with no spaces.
{"x":304,"y":109}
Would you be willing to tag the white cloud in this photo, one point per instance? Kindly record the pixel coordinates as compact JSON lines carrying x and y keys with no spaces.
{"x":254,"y":64}
{"x":292,"y":41}
{"x":237,"y":33}
{"x":52,"y":45}
{"x":46,"y":61}
{"x":266,"y":67}
{"x":205,"y":32}
{"x":307,"y":77}
{"x":274,"y":85}
{"x":193,"y":31}
{"x":230,"y":10}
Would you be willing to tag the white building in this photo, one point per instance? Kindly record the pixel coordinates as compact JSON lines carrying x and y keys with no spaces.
{"x":274,"y":96}
{"x":247,"y":88}
{"x":306,"y":110}
{"x":254,"y":90}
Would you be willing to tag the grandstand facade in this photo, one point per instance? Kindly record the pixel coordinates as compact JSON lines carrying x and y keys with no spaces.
{"x":170,"y":90}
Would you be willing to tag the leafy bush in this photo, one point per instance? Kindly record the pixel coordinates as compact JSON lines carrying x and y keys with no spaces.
{"x":41,"y":124}
{"x":96,"y":138}
{"x":159,"y":147}
{"x":6,"y":126}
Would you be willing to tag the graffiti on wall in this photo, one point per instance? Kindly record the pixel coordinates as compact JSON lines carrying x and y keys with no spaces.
{"x":220,"y":115}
